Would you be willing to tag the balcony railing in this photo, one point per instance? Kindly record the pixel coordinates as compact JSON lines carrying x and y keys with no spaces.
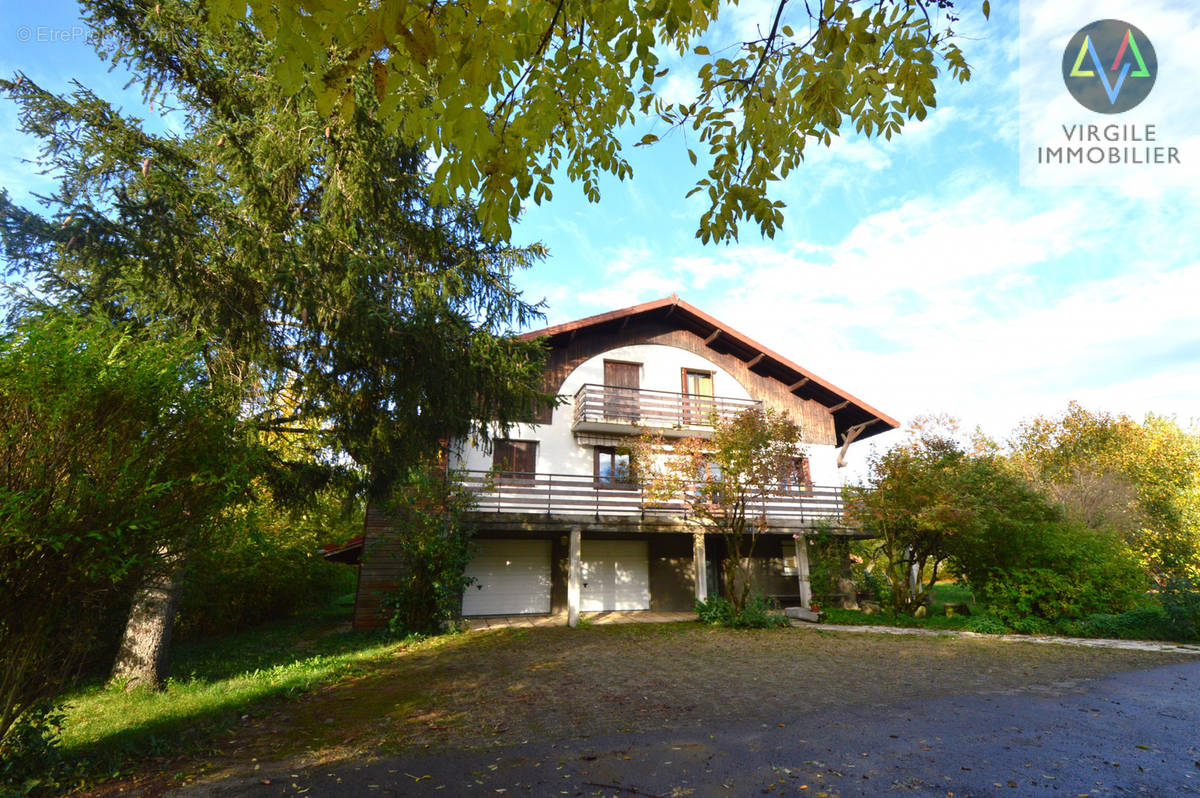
{"x":611,"y":408}
{"x":571,"y":495}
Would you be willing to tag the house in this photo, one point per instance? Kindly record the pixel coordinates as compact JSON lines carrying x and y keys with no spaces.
{"x":559,"y":531}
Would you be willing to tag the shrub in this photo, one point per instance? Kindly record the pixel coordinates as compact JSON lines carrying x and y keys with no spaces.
{"x":1066,"y":571}
{"x":1181,"y":601}
{"x":265,"y":565}
{"x":29,"y":755}
{"x":113,"y":448}
{"x":985,"y":625}
{"x":434,"y":547}
{"x":1142,"y":623}
{"x":756,"y":614}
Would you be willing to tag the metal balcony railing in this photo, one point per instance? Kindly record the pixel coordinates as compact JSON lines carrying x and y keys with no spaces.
{"x":597,"y":405}
{"x":568,"y":494}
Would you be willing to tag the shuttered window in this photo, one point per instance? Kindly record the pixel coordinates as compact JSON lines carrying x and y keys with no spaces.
{"x":514,"y":458}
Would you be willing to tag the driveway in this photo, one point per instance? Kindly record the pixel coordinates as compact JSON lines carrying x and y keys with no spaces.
{"x":1131,"y":733}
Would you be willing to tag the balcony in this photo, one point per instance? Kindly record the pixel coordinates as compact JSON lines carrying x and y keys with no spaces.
{"x":551,"y":500}
{"x":612,"y":410}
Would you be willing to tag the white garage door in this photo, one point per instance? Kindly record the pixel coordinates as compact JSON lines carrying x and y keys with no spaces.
{"x":512,"y":577}
{"x":616,"y":575}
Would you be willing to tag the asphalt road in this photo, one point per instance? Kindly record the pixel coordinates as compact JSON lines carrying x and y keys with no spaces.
{"x":1134,"y":733}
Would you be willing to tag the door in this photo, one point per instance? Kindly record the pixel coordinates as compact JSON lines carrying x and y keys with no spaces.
{"x":616,"y":575}
{"x":512,"y":577}
{"x":697,"y":407}
{"x":621,"y":383}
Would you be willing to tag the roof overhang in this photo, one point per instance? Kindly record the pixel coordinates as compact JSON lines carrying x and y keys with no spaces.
{"x":349,"y":552}
{"x":848,"y":410}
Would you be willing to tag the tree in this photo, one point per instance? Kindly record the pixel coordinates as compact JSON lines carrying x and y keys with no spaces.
{"x":930,"y":501}
{"x":507,"y":94}
{"x":913,"y":501}
{"x":724,"y":481}
{"x":1141,"y":481}
{"x":301,"y":254}
{"x":112,"y":446}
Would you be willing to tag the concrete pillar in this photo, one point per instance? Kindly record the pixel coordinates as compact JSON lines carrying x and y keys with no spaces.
{"x":802,"y":572}
{"x":574,"y":575}
{"x":700,"y":559}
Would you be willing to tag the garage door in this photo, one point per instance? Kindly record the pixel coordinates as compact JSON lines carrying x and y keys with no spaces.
{"x":615,"y":575}
{"x":512,"y":577}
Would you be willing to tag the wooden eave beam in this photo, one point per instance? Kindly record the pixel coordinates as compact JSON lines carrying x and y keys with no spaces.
{"x":714,"y":336}
{"x":798,"y":384}
{"x":755,"y":360}
{"x":839,"y":406}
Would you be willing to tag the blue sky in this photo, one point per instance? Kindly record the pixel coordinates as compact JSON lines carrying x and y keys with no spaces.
{"x":918,"y":273}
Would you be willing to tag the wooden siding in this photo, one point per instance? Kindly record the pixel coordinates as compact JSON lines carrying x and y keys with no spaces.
{"x":813,"y":417}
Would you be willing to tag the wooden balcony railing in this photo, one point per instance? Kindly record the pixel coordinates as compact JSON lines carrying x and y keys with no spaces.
{"x":603,"y":405}
{"x":564,"y":494}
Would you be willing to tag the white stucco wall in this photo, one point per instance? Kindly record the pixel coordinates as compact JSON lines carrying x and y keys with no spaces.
{"x":559,"y":454}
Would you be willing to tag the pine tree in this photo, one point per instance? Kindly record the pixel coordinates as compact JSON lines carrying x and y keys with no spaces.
{"x":303,"y":254}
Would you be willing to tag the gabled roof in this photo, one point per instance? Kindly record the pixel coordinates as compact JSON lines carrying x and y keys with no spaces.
{"x":848,"y":410}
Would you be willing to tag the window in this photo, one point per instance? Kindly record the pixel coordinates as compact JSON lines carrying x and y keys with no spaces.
{"x":797,"y":476}
{"x":697,"y":383}
{"x":789,"y":558}
{"x":515,"y":458}
{"x":611,"y":467}
{"x":697,"y":407}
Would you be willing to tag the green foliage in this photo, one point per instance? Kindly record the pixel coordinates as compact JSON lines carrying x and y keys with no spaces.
{"x":723,"y":481}
{"x":507,"y":95}
{"x":1077,"y":572}
{"x":920,"y":495}
{"x":1140,"y":480}
{"x":1141,"y":623}
{"x":30,"y":757}
{"x":303,"y":253}
{"x":1181,"y":601}
{"x":933,"y":501}
{"x":985,"y":625}
{"x":432,"y":544}
{"x":263,"y":564}
{"x":113,"y":448}
{"x":756,"y":613}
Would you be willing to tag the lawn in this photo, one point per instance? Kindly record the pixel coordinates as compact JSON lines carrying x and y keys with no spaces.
{"x":313,"y":690}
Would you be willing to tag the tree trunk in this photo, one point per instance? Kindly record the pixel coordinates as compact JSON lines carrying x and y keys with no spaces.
{"x":847,"y":593}
{"x":144,"y":656}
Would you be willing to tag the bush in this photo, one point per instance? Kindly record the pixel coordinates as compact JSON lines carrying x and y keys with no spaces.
{"x":1066,"y":572}
{"x":113,"y":449}
{"x":264,"y":566}
{"x":1181,"y":601}
{"x":757,"y":614}
{"x":29,"y":755}
{"x":985,"y":625}
{"x":1143,"y":623}
{"x":433,"y":549}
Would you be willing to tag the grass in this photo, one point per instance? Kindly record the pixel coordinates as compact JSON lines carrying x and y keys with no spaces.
{"x":213,"y":684}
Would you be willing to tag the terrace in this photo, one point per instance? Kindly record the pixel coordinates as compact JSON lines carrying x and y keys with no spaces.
{"x":548,"y":501}
{"x":609,"y":409}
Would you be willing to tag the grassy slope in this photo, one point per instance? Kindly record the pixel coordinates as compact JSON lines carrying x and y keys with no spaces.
{"x":213,"y":683}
